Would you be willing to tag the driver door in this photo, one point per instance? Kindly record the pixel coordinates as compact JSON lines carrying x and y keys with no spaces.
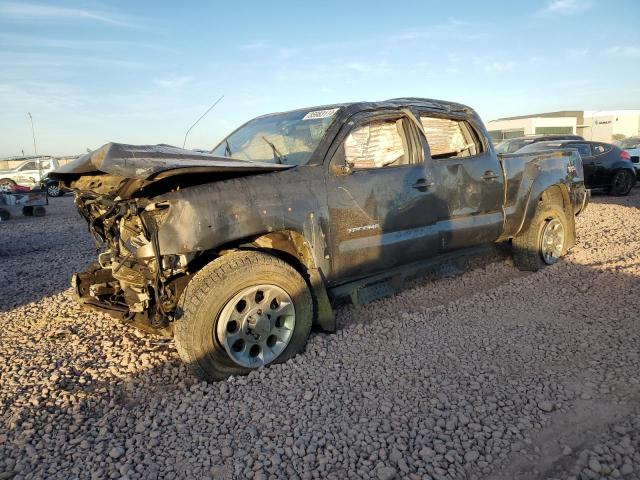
{"x":380,"y":197}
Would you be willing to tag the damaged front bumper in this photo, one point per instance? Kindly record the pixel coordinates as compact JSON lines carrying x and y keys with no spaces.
{"x":131,"y":280}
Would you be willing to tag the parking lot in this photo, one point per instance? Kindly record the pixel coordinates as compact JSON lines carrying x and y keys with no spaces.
{"x":494,"y":374}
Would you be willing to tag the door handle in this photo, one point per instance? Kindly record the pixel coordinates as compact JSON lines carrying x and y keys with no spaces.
{"x":422,"y":185}
{"x":489,"y":175}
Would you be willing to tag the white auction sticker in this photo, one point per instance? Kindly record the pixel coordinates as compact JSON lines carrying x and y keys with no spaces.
{"x":320,"y":114}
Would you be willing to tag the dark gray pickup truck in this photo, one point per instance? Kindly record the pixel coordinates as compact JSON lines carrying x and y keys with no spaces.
{"x":237,"y":253}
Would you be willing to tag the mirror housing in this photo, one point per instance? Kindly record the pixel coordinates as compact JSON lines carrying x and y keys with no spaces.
{"x":340,"y":169}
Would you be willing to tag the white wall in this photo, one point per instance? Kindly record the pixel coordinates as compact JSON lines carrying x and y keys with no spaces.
{"x":529,"y":124}
{"x":602,"y":125}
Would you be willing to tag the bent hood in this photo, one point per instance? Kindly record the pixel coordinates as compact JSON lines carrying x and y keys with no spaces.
{"x":154,"y":162}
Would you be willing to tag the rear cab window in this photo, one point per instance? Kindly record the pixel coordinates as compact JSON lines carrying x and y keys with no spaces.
{"x":450,"y":138}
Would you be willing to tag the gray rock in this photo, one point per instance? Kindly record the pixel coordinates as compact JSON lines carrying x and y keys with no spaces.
{"x":471,"y":456}
{"x":226,"y":451}
{"x":546,"y":406}
{"x":594,"y":465}
{"x":386,"y":473}
{"x":116,"y":452}
{"x":627,"y":469}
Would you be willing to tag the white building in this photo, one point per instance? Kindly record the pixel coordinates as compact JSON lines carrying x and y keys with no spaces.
{"x":600,"y":125}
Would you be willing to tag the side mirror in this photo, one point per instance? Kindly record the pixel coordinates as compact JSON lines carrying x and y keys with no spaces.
{"x":340,"y":169}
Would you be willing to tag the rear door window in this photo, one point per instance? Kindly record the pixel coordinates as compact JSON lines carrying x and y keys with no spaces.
{"x":600,"y":148}
{"x":29,"y":166}
{"x":583,"y":149}
{"x":450,"y":138}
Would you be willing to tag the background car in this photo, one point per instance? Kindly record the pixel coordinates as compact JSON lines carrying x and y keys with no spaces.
{"x":28,"y":174}
{"x":53,"y":187}
{"x":606,"y":166}
{"x":514,"y":144}
{"x":632,"y":145}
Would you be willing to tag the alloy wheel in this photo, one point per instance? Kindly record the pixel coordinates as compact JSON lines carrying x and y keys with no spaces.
{"x":256,"y":325}
{"x":552,"y":241}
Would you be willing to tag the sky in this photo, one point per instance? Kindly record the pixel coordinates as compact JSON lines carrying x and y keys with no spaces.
{"x":142,"y":72}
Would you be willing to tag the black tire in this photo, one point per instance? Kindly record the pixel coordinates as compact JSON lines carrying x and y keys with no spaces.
{"x":622,"y":183}
{"x":27,"y":211}
{"x":6,"y":184}
{"x":4,"y":215}
{"x":206,"y":295}
{"x":39,"y":211}
{"x":527,"y":245}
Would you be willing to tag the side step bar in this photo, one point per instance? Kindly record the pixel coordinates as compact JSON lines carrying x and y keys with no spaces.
{"x":390,"y":282}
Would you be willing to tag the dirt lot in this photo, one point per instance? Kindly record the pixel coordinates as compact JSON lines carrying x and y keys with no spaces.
{"x":493,"y":374}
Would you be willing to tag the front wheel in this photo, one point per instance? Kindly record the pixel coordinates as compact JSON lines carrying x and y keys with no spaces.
{"x":544,"y":241}
{"x":622,"y":183}
{"x":242,"y":311}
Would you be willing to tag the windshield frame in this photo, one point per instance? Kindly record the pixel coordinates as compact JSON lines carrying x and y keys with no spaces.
{"x":317,"y":156}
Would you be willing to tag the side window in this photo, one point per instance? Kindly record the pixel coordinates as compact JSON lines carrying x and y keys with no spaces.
{"x":376,"y":145}
{"x":45,"y":165}
{"x":600,"y":148}
{"x":583,"y":148}
{"x":449,"y":138}
{"x":29,"y":166}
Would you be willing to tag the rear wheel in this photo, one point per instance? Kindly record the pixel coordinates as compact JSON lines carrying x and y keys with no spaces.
{"x":242,"y":311}
{"x":622,"y":183}
{"x":544,"y":241}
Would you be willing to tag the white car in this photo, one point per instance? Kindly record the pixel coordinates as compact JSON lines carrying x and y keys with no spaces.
{"x":632,"y":145}
{"x":29,"y":173}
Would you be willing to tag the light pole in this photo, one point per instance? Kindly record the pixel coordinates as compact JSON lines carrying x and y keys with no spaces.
{"x":33,"y":133}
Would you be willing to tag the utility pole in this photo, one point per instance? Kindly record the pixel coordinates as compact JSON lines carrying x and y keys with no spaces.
{"x":33,"y":133}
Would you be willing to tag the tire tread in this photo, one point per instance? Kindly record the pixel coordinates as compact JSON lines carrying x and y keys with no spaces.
{"x":196,"y":292}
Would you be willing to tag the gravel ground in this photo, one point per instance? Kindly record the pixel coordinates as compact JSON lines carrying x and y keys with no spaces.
{"x":493,"y":374}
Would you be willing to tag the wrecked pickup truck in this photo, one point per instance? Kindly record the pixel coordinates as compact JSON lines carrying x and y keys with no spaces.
{"x":238,"y":252}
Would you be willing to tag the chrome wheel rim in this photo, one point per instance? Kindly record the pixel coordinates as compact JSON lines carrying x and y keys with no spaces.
{"x":256,"y":325}
{"x":53,"y":191}
{"x":552,"y":241}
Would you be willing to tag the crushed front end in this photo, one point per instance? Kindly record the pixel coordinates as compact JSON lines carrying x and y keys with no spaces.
{"x":130,"y":280}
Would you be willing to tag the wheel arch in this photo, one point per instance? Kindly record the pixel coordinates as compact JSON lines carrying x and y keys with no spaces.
{"x":292,"y":247}
{"x":557,"y":194}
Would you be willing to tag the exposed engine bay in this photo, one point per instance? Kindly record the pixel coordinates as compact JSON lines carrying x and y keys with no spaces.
{"x":116,"y":188}
{"x":130,"y":279}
